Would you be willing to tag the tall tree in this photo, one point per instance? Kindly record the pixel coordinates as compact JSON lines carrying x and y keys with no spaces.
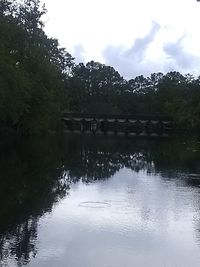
{"x":34,"y":69}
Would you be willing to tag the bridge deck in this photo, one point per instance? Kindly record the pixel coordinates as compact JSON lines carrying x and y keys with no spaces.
{"x":117,"y":123}
{"x":118,"y":116}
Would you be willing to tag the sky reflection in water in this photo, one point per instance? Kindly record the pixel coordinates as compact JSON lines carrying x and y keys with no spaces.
{"x":109,"y":203}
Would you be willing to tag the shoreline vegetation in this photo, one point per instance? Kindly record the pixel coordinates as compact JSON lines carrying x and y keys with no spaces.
{"x":39,"y":80}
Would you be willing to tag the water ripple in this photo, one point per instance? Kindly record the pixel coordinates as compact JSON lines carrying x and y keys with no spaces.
{"x":94,"y":204}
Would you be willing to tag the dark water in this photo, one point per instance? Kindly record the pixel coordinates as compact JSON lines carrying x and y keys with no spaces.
{"x":76,"y":201}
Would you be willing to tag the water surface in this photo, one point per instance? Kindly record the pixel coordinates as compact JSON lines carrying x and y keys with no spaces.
{"x":80,"y":201}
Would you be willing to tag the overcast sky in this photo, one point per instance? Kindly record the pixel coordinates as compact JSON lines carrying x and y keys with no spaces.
{"x":134,"y":36}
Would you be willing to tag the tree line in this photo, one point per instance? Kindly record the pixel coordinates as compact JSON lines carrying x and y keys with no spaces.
{"x":39,"y":80}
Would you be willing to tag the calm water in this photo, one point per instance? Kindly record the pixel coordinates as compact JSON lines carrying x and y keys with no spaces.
{"x":77,"y":201}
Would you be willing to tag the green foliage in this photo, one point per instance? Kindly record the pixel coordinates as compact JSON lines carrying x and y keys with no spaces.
{"x":33,"y":69}
{"x":100,"y":89}
{"x":39,"y":80}
{"x":99,"y":85}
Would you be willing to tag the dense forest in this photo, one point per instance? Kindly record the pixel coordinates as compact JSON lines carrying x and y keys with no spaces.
{"x":39,"y":80}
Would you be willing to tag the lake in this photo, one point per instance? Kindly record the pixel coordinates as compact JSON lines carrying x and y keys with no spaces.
{"x":86,"y":201}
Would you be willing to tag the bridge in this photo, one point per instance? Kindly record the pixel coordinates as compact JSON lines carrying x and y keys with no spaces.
{"x":117,"y":124}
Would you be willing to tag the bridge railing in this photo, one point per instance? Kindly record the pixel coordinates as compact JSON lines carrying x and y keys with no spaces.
{"x":160,"y":117}
{"x":117,"y":123}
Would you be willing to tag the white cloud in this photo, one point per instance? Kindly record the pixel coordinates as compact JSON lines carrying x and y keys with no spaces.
{"x":132,"y":61}
{"x":90,"y":27}
{"x":180,"y":57}
{"x":78,"y":53}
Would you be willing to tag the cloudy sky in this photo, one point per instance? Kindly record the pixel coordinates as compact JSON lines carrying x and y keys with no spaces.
{"x":134,"y":36}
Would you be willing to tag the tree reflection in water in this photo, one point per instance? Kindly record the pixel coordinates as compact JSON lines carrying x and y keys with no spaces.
{"x":35,"y":174}
{"x":30,"y":183}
